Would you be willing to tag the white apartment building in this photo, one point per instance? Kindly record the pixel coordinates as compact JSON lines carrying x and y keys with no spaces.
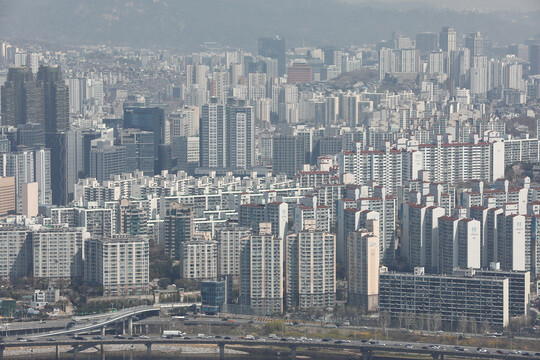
{"x":15,"y":252}
{"x":311,"y":269}
{"x":231,"y":241}
{"x":262,"y":273}
{"x":58,"y":252}
{"x":363,"y":267}
{"x":119,"y":263}
{"x":198,"y":259}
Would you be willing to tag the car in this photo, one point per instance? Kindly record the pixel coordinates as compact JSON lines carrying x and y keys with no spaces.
{"x":227,"y":338}
{"x":398,"y":344}
{"x":373,"y":342}
{"x":526,"y":354}
{"x":119,"y":337}
{"x":364,"y":341}
{"x":187,"y":338}
{"x":339,"y":342}
{"x":50,"y":339}
{"x":217,"y":337}
{"x":22,"y":339}
{"x":272,"y":336}
{"x":224,"y":319}
{"x":500,"y":352}
{"x":425,"y":348}
{"x":326,"y":340}
{"x":230,"y":320}
{"x":144,"y":337}
{"x":283,"y":339}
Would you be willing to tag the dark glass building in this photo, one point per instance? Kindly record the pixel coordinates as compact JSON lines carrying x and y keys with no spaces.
{"x":213,"y":296}
{"x":148,"y":119}
{"x":56,"y":98}
{"x":274,"y":48}
{"x":22,"y":100}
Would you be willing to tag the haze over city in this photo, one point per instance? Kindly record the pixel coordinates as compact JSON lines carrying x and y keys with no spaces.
{"x":242,"y":179}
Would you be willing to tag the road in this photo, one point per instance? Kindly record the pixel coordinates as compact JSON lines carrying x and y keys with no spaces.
{"x":365,"y":346}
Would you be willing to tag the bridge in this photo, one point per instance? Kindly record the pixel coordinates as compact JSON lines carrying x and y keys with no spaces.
{"x":103,"y":320}
{"x":364,"y":349}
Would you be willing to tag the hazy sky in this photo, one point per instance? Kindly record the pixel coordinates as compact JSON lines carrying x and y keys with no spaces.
{"x":525,"y":5}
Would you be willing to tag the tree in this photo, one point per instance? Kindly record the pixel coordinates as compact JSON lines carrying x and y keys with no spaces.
{"x":273,"y":327}
{"x":463,"y":324}
{"x":164,"y":282}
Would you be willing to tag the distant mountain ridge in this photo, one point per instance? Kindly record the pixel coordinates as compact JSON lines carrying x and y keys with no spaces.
{"x":185,"y":24}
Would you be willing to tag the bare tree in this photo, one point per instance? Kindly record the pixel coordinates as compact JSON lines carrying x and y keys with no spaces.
{"x":463,"y":324}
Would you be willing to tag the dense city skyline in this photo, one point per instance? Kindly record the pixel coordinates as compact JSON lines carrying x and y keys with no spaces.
{"x":383,"y":185}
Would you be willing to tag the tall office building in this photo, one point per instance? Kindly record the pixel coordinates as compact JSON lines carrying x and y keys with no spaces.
{"x":274,"y":48}
{"x":240,"y":136}
{"x":66,"y":163}
{"x":427,"y":42}
{"x":448,"y":39}
{"x":149,"y":119}
{"x":262,"y":273}
{"x":213,"y":135}
{"x":56,"y":99}
{"x":179,"y":228}
{"x":288,"y":155}
{"x":30,"y":135}
{"x":186,"y":151}
{"x":139,"y":147}
{"x":363,"y":267}
{"x":534,"y":58}
{"x":22,"y":100}
{"x":107,"y":160}
{"x":311,"y":269}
